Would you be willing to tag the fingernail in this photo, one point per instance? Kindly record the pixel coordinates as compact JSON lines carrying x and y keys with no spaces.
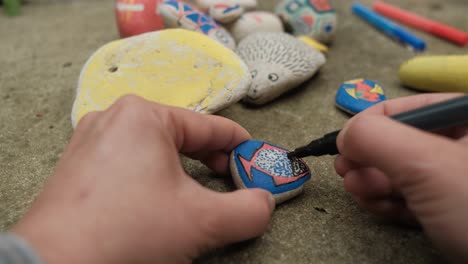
{"x":272,"y":202}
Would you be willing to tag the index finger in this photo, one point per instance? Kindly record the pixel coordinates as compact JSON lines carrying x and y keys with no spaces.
{"x":208,"y":138}
{"x":400,"y":105}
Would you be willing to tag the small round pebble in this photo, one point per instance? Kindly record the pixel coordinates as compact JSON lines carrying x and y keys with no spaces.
{"x":357,"y":95}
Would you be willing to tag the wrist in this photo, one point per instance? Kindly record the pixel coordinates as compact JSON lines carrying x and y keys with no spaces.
{"x":56,"y":241}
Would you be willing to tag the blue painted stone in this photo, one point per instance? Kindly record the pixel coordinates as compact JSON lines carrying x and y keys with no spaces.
{"x":257,"y":164}
{"x":357,"y":95}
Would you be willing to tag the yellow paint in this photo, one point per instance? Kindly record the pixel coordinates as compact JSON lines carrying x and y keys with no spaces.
{"x":377,"y":90}
{"x":354,"y":81}
{"x":174,"y":67}
{"x":436,"y":73}
{"x":352,"y":92}
{"x":314,"y":44}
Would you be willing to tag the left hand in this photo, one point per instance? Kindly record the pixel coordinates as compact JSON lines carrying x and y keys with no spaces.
{"x":120,"y":194}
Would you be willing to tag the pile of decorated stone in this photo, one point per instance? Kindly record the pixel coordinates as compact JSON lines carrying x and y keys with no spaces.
{"x":206,"y":55}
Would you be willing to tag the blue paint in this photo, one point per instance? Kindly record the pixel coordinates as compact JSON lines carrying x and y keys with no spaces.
{"x":281,"y":171}
{"x":358,"y":95}
{"x":231,"y":9}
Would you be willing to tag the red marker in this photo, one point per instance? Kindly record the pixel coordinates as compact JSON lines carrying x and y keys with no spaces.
{"x":443,"y":31}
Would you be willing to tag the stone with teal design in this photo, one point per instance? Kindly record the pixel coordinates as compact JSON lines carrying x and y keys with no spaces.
{"x":314,"y":18}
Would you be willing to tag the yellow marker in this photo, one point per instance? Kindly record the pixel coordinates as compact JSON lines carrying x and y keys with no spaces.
{"x":174,"y":67}
{"x":314,"y":44}
{"x":436,"y":73}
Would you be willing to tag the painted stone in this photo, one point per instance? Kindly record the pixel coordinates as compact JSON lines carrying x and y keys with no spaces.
{"x":436,"y":73}
{"x":178,"y":14}
{"x":136,"y":17}
{"x":226,"y":12}
{"x":278,"y":63}
{"x":174,"y":67}
{"x":254,"y":22}
{"x":257,"y":164}
{"x":314,"y":18}
{"x":357,"y":95}
{"x":205,"y":5}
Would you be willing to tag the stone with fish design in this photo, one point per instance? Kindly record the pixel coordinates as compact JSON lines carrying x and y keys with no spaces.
{"x":226,"y":12}
{"x":255,"y":22}
{"x":314,"y":18}
{"x":173,"y":67}
{"x":257,"y":164}
{"x":278,"y":63}
{"x":357,"y":95}
{"x":178,"y":14}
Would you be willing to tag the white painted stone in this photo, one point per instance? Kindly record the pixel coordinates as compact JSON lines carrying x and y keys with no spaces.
{"x":278,"y":63}
{"x":205,"y":5}
{"x":226,"y":12}
{"x":177,"y":14}
{"x":255,"y":22}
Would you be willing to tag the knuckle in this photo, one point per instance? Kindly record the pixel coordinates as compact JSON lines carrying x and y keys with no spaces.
{"x":129,"y":108}
{"x":353,"y":136}
{"x":87,"y":120}
{"x":129,"y":101}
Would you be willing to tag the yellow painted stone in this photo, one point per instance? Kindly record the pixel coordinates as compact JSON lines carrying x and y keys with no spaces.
{"x":314,"y":44}
{"x":175,"y":67}
{"x":436,"y":73}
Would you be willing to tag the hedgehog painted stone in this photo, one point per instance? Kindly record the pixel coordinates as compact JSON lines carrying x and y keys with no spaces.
{"x":177,"y":14}
{"x":257,"y":164}
{"x":278,"y":63}
{"x":314,"y":18}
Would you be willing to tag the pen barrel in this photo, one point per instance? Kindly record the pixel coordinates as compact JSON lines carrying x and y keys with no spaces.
{"x":438,"y":116}
{"x":403,"y":16}
{"x":388,"y":27}
{"x":444,"y":31}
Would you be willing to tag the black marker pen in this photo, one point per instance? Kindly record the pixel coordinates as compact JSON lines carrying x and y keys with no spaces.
{"x":431,"y":118}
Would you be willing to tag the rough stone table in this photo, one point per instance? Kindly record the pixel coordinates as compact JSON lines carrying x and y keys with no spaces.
{"x":41,"y":55}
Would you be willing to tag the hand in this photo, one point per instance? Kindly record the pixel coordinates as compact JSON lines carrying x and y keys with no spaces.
{"x":394,"y":170}
{"x":120,"y":195}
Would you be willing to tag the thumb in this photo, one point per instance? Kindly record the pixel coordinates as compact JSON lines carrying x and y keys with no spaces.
{"x":236,"y":216}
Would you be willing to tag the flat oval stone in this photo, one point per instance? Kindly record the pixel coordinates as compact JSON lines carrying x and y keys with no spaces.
{"x":357,"y":95}
{"x":436,"y":73}
{"x":255,"y":22}
{"x":257,"y":164}
{"x":177,"y":14}
{"x":205,"y":5}
{"x":314,"y":18}
{"x":226,"y":12}
{"x":278,"y":62}
{"x":136,"y":17}
{"x":173,"y":67}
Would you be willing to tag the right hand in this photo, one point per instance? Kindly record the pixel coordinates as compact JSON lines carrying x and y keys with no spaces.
{"x":400,"y":172}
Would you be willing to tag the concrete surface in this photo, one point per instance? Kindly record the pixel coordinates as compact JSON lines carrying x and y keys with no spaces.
{"x":42,"y":52}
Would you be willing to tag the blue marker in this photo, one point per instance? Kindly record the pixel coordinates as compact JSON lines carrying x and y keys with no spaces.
{"x":391,"y":29}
